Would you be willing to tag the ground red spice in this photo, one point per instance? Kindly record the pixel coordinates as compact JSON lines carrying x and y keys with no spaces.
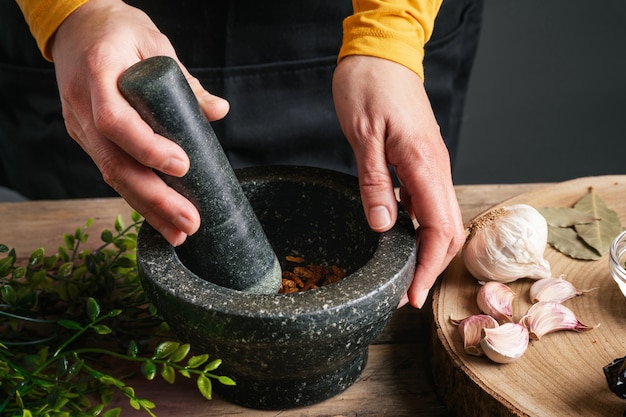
{"x":298,"y":277}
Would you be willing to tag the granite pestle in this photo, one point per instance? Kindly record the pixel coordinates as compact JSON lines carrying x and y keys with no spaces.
{"x":230,"y":249}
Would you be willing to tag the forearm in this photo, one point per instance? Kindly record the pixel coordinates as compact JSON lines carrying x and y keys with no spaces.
{"x":396,"y":30}
{"x":45,"y":16}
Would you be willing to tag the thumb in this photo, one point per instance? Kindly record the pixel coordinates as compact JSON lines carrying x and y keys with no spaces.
{"x":379,"y":199}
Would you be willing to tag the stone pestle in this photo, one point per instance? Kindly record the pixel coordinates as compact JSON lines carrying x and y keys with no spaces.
{"x":230,"y":249}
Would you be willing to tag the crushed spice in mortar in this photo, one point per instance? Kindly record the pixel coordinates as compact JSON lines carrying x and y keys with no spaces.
{"x":298,"y":277}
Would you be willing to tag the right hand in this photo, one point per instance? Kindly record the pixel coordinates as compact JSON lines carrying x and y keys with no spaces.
{"x":91,"y":49}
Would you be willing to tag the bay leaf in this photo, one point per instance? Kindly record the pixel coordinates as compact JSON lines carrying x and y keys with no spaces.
{"x":599,"y":233}
{"x":566,"y":241}
{"x":564,"y":216}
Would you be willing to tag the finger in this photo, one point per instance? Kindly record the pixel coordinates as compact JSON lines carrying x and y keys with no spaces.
{"x":166,"y":210}
{"x":376,"y":186}
{"x":214,"y":107}
{"x":115,"y":119}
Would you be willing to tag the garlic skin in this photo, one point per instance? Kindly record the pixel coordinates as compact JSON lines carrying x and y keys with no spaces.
{"x":470,"y":329}
{"x":557,"y":290}
{"x":547,"y":317}
{"x":506,"y":343}
{"x":506,"y":244}
{"x":496,"y":299}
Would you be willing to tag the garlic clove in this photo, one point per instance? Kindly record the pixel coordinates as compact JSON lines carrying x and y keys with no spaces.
{"x":557,"y":290}
{"x":496,"y":299}
{"x":506,"y":244}
{"x":470,"y":329}
{"x":547,"y":317}
{"x":505,"y":343}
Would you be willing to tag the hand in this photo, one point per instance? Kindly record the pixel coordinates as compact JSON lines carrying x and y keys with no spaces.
{"x":386,"y":116}
{"x":91,"y":49}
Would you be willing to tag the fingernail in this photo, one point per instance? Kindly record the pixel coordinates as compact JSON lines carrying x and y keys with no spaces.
{"x":421,"y":297}
{"x":379,"y":217}
{"x":176,"y":167}
{"x":185,"y":224}
{"x":403,"y":300}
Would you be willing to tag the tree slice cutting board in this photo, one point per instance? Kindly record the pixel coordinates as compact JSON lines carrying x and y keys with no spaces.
{"x":559,"y":375}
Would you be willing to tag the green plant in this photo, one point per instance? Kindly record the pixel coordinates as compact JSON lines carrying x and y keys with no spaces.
{"x":69,"y":320}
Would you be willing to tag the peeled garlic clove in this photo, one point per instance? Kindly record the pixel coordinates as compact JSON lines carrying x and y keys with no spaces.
{"x":506,"y":244}
{"x":470,"y":329}
{"x":496,"y":299}
{"x":505,"y":343}
{"x":547,"y":317}
{"x":553,"y":289}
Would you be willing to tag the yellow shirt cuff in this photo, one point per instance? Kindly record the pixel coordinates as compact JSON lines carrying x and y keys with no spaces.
{"x":45,"y":16}
{"x":396,"y":30}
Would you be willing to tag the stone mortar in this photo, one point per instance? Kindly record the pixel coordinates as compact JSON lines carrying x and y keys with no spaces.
{"x":286,"y":351}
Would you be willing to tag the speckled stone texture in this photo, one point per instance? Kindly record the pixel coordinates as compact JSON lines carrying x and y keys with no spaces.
{"x":230,"y":249}
{"x":291,"y":350}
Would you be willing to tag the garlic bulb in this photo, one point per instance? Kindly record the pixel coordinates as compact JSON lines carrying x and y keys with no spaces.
{"x":505,"y":343}
{"x":470,"y":329}
{"x":506,"y":244}
{"x":496,"y":299}
{"x":547,"y":317}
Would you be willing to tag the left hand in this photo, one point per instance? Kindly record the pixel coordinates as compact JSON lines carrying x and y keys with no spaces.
{"x":386,"y":116}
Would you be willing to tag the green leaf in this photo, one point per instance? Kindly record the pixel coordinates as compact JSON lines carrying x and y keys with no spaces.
{"x":102,"y":329}
{"x":74,"y":369}
{"x":180,"y":353}
{"x":135,"y":404}
{"x":8,"y":294}
{"x":37,"y":257}
{"x":135,"y":216}
{"x":213,"y":365}
{"x":164,"y":349}
{"x":185,"y":373}
{"x":168,"y":373}
{"x":113,"y":412}
{"x":204,"y":386}
{"x":196,"y":361}
{"x":69,"y":324}
{"x":93,"y":309}
{"x":106,"y":236}
{"x":5,"y":248}
{"x":65,"y":270}
{"x":119,"y":224}
{"x":5,"y":265}
{"x":26,"y":413}
{"x":600,"y":233}
{"x":146,"y":403}
{"x":19,"y":272}
{"x":224,"y":380}
{"x":567,"y":241}
{"x":564,"y":216}
{"x":62,"y":367}
{"x":148,"y":369}
{"x":133,"y":349}
{"x":69,"y":241}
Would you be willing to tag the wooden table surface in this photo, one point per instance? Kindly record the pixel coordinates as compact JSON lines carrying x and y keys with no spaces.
{"x":397,"y":380}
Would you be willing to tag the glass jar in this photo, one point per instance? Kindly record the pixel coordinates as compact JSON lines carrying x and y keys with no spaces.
{"x":617,"y":259}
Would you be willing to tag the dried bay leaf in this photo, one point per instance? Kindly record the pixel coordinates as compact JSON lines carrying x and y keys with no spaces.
{"x":564,"y":216}
{"x":567,"y":241}
{"x":599,"y":233}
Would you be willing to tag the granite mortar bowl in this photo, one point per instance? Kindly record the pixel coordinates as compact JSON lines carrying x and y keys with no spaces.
{"x":291,"y":350}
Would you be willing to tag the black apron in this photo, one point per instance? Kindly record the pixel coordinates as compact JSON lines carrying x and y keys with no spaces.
{"x":273,"y":61}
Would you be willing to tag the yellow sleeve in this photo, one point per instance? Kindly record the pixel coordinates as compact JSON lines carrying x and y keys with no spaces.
{"x":45,"y":16}
{"x":396,"y":30}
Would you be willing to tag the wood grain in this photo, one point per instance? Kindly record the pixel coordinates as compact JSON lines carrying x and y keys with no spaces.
{"x":559,"y":375}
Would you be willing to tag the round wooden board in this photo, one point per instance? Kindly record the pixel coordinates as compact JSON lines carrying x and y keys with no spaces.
{"x":559,"y":375}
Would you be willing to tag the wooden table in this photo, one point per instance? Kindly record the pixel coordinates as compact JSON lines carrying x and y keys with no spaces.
{"x":396,"y":381}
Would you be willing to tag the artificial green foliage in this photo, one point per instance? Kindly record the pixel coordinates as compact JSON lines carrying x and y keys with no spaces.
{"x":75,"y":324}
